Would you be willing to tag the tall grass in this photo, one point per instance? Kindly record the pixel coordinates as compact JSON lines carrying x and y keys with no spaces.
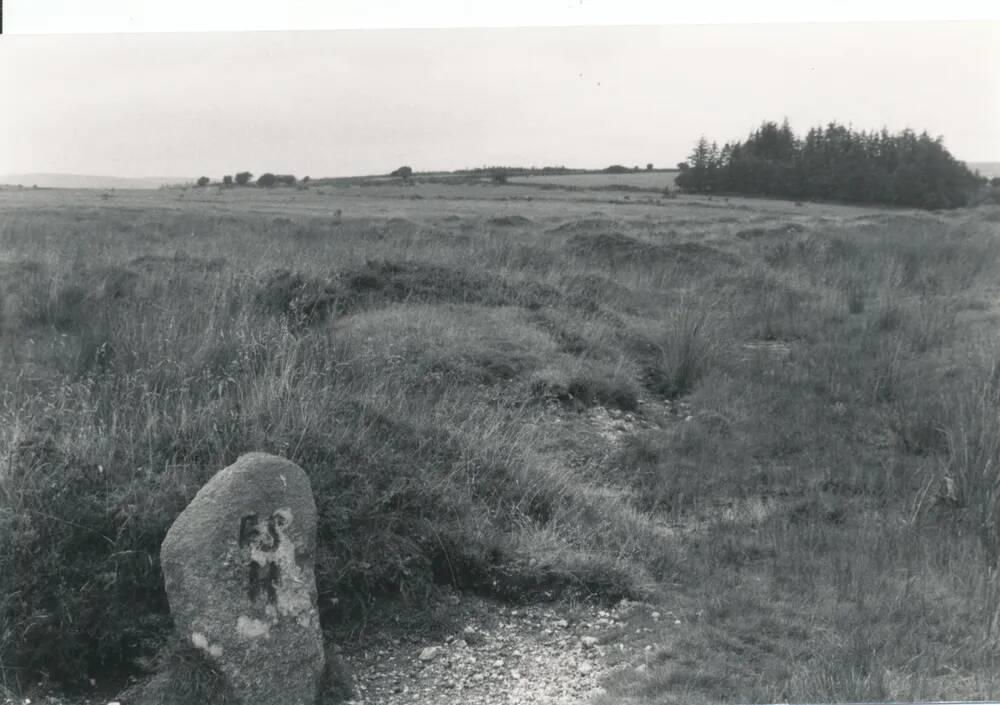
{"x":793,"y":395}
{"x":971,"y":477}
{"x":414,"y":449}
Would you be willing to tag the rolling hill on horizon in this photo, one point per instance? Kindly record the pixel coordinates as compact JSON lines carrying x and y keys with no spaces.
{"x":51,"y":180}
{"x":95,"y":181}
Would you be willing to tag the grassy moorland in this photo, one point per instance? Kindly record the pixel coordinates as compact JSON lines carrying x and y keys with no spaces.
{"x":638,"y":180}
{"x":803,"y":471}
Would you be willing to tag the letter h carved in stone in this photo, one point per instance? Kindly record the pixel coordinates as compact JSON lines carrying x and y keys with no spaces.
{"x":262,"y":538}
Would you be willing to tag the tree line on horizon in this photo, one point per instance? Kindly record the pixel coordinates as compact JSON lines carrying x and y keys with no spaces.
{"x":834,"y":163}
{"x":498,"y":174}
{"x":265,"y":180}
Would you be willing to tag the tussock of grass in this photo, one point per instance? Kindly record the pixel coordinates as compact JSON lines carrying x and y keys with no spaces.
{"x":617,"y":249}
{"x":383,"y":282}
{"x":526,"y":258}
{"x":473,"y":344}
{"x":586,"y":226}
{"x":613,"y":247}
{"x":581,"y":383}
{"x":971,"y":479}
{"x":294,"y":295}
{"x":593,"y":289}
{"x":178,"y":261}
{"x":685,"y":349}
{"x":184,"y":676}
{"x":508,"y":221}
{"x":777,"y":231}
{"x":773,"y":305}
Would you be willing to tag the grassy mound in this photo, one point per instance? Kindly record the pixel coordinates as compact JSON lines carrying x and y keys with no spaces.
{"x":475,"y":345}
{"x":382,"y":282}
{"x":775,"y":231}
{"x":311,"y":299}
{"x":614,"y":247}
{"x":509,"y":221}
{"x":618,"y":249}
{"x":587,"y":226}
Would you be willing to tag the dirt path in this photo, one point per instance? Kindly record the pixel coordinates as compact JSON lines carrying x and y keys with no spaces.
{"x":497,"y":654}
{"x":545,"y":654}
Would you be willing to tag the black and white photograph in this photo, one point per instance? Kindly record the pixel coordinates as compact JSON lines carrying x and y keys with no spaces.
{"x":400,"y":357}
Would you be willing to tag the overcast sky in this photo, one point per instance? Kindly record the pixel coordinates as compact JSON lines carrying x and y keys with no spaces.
{"x":362,"y":102}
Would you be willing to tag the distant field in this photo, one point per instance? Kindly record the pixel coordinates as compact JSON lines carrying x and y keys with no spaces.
{"x":640,"y":179}
{"x":776,"y":425}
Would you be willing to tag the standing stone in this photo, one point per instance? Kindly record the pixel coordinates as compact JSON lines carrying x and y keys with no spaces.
{"x":238,"y":567}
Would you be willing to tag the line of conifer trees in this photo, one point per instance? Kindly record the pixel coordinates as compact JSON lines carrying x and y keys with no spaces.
{"x":833,"y":163}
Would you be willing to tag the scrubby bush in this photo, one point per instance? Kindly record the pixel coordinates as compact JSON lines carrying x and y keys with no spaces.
{"x":291,"y":294}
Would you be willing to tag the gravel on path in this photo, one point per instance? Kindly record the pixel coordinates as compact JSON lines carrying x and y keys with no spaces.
{"x":549,"y":654}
